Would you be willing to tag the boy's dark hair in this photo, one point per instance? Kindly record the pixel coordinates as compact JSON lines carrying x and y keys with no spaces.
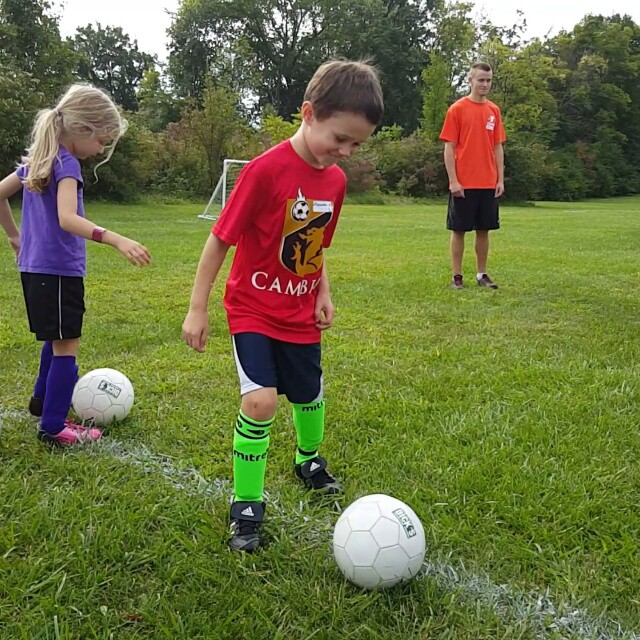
{"x":482,"y":66}
{"x":343,"y":85}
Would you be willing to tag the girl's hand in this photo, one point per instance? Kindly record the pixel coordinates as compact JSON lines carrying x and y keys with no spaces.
{"x":134,"y":252}
{"x":324,"y":311}
{"x":14,"y":242}
{"x":195,"y":329}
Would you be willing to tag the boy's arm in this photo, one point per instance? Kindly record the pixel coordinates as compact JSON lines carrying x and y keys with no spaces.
{"x":195,"y":328}
{"x":325,"y":310}
{"x":71,"y":222}
{"x":450,"y":163}
{"x":8,"y":187}
{"x":498,"y":152}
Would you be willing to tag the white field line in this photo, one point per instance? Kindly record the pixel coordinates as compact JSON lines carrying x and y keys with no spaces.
{"x":546,"y":618}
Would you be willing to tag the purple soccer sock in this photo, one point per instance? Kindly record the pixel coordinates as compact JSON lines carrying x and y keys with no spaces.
{"x":62,"y":378}
{"x":45,"y":362}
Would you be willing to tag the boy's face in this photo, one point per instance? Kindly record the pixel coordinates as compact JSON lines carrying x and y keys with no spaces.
{"x":336,"y":137}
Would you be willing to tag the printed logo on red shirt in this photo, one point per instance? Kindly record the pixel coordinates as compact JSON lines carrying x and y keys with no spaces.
{"x":303,"y":234}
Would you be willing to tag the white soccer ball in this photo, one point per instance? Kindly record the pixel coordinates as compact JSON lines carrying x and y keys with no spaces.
{"x":300,"y":210}
{"x":102,"y":396}
{"x":378,"y":541}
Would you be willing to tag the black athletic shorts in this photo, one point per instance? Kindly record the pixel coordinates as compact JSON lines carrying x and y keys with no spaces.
{"x":478,"y":210}
{"x":55,"y":305}
{"x":293,"y":369}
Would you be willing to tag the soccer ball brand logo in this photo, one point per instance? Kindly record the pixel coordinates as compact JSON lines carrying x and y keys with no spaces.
{"x":109,"y":388}
{"x":405,"y":521}
{"x":300,"y":208}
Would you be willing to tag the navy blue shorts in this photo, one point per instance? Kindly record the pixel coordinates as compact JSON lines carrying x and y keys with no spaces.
{"x":55,"y":305}
{"x":478,"y":210}
{"x":293,"y":369}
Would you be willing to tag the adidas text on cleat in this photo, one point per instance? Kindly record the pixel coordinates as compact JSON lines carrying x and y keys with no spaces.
{"x":246,"y":518}
{"x":315,"y":476}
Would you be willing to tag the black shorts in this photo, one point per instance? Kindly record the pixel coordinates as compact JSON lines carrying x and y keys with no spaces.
{"x":293,"y":369}
{"x":478,"y":210}
{"x":55,"y":305}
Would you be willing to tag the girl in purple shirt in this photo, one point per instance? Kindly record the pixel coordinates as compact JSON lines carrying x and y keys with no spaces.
{"x":50,"y":246}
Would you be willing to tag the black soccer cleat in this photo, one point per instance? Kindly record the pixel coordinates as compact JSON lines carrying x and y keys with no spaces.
{"x":486,"y":281}
{"x":35,"y":406}
{"x":315,"y":476}
{"x":246,"y":518}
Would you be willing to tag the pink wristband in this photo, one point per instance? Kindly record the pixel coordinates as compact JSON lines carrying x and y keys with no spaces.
{"x":97,"y":234}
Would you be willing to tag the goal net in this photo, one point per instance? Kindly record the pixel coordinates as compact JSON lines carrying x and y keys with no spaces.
{"x":230,"y":171}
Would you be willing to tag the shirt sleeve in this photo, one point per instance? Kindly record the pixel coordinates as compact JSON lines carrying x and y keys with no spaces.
{"x":21,"y":172}
{"x":450,"y":128}
{"x":241,"y":205}
{"x":67,"y":166}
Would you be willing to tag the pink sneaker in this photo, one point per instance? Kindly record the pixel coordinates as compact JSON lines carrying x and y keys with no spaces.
{"x":72,"y":434}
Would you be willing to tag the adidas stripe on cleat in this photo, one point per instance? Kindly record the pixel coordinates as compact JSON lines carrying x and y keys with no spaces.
{"x":315,"y":476}
{"x":245,"y":520}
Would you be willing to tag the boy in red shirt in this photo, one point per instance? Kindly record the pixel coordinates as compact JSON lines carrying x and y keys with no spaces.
{"x":473,"y":135}
{"x":281,"y":216}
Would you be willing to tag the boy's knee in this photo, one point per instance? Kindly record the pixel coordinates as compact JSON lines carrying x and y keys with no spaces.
{"x":260,"y":405}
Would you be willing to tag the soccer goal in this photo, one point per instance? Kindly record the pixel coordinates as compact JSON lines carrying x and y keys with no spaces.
{"x":230,"y":171}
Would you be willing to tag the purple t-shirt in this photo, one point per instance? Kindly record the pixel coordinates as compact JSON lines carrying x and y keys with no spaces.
{"x":44,"y":246}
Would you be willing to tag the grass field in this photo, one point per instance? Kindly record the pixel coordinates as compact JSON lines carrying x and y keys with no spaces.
{"x":507,"y":419}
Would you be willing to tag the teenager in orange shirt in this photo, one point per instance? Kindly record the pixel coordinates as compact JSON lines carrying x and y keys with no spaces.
{"x":473,"y":134}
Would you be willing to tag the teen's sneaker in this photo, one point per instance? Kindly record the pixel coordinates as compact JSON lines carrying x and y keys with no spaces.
{"x":35,"y":406}
{"x":486,"y":281}
{"x":246,"y":518}
{"x":315,"y":476}
{"x":72,"y":434}
{"x":456,"y":282}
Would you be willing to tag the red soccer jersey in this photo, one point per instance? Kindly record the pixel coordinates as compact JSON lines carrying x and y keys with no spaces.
{"x":475,"y":128}
{"x":281,"y":214}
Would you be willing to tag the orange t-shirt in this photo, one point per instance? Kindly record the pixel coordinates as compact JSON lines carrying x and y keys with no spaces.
{"x":475,"y":128}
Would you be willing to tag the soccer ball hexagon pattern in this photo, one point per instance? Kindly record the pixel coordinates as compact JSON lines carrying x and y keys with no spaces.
{"x":378,"y":542}
{"x":102,"y":396}
{"x":300,"y":210}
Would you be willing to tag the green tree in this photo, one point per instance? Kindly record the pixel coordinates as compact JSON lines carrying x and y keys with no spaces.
{"x":437,"y":95}
{"x":35,"y":66}
{"x":110,"y":60}
{"x":269,"y":50}
{"x":157,"y":106}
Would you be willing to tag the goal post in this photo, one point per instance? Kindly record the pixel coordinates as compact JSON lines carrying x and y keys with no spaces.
{"x":230,"y":171}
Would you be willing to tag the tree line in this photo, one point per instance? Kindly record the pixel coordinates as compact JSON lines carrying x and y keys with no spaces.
{"x":237,"y":70}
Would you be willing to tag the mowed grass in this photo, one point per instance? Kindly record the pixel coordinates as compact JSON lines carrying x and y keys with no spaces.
{"x":507,"y":419}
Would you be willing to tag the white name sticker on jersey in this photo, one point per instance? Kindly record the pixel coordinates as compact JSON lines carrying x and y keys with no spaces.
{"x":323,"y":206}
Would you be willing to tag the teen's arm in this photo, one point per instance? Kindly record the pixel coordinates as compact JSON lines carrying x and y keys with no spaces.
{"x":195,"y":328}
{"x":450,"y":163}
{"x":73,"y":223}
{"x":325,"y":310}
{"x":8,"y":187}
{"x":498,"y":152}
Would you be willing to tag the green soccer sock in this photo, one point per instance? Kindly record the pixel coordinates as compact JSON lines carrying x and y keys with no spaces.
{"x":250,"y":447}
{"x":309,"y":422}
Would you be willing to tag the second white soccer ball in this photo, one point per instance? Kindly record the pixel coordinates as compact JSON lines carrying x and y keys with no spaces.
{"x":102,"y":396}
{"x":379,"y":541}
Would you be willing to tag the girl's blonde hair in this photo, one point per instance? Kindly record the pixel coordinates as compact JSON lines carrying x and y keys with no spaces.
{"x":82,"y":112}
